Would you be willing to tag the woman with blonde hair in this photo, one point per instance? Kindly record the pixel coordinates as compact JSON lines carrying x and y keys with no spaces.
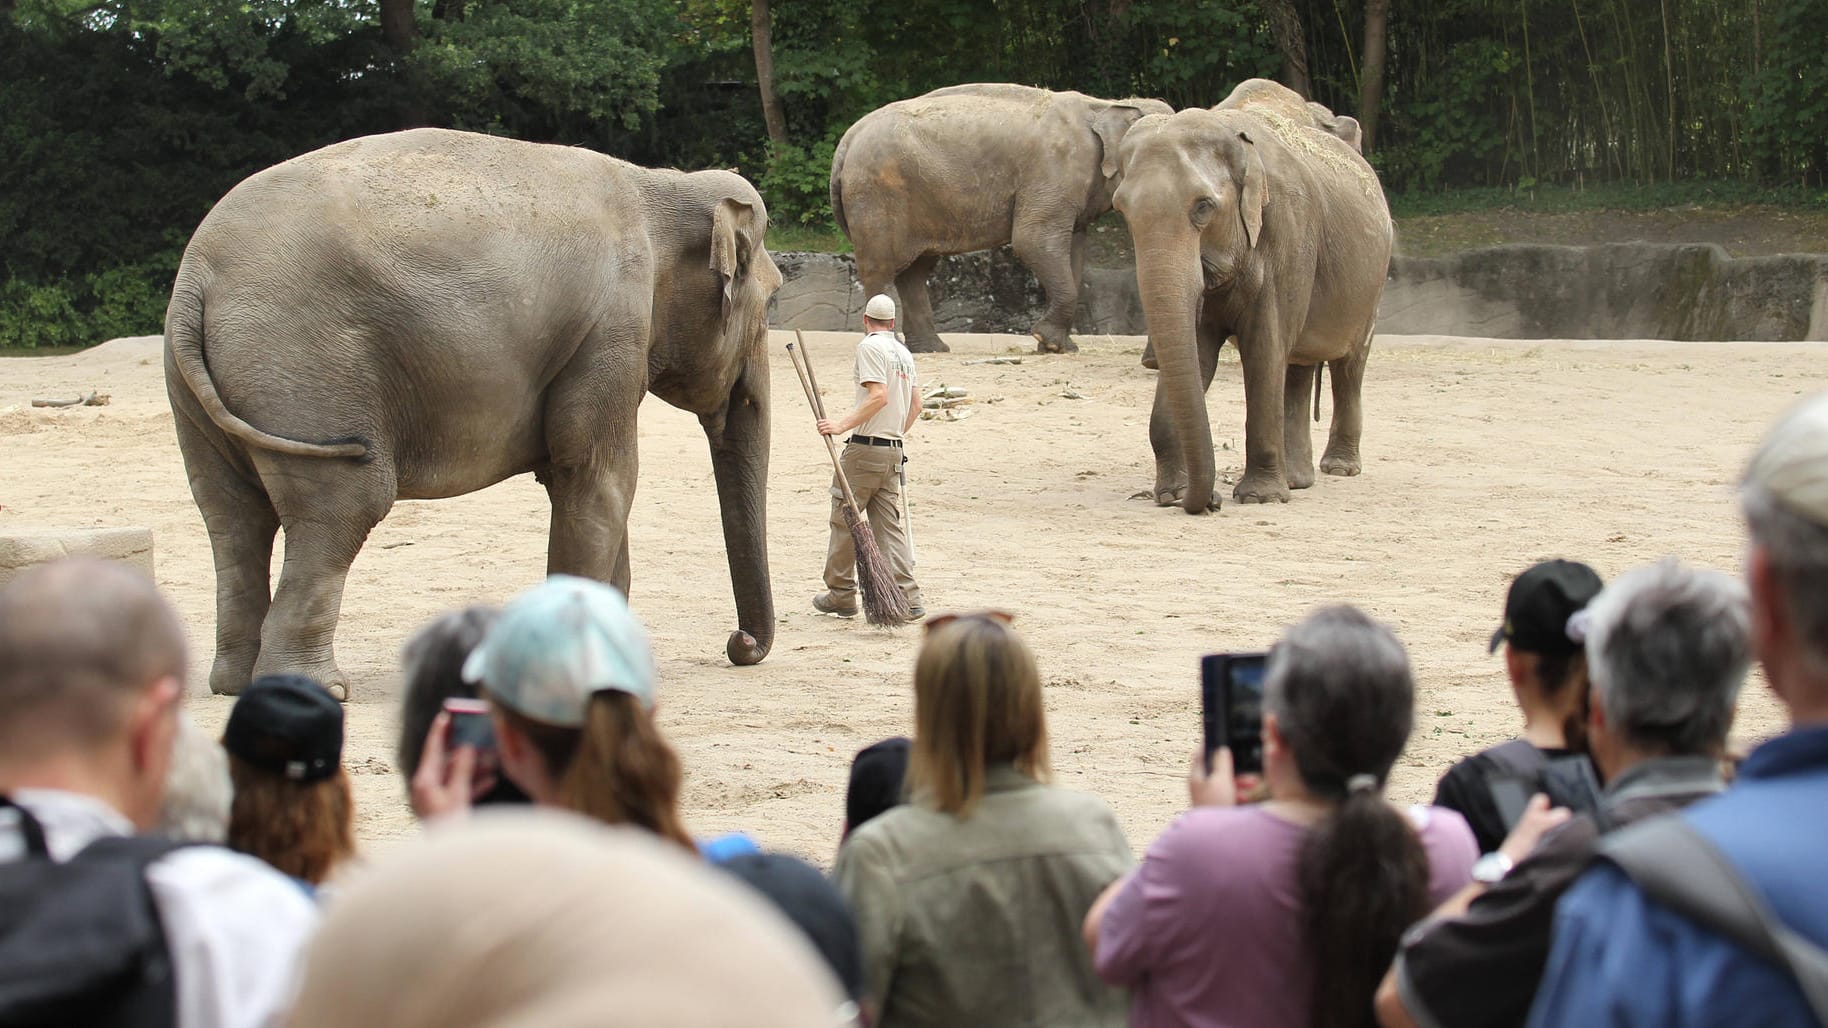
{"x":969,"y":897}
{"x":292,"y":805}
{"x":570,"y":682}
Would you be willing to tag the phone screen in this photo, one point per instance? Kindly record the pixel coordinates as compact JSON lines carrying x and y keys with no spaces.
{"x":1231,"y":698}
{"x":470,"y":724}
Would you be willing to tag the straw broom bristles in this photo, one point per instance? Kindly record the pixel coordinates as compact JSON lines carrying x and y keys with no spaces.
{"x":883,"y":602}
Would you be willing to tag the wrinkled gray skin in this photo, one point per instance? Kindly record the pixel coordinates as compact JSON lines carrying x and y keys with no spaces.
{"x":423,"y":314}
{"x":1271,"y":231}
{"x":973,"y":167}
{"x":1278,"y":99}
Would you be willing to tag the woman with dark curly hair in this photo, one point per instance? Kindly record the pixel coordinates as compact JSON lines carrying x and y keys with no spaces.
{"x":292,"y":805}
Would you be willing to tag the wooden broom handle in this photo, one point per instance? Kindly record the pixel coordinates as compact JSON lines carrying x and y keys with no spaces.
{"x":803,"y":368}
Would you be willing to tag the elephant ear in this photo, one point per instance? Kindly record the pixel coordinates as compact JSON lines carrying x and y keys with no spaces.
{"x":733,"y":242}
{"x":1255,"y":193}
{"x":1109,"y":124}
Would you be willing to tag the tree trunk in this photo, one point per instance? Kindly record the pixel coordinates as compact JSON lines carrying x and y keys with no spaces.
{"x":761,"y":31}
{"x":1291,"y":39}
{"x":1371,"y":86}
{"x":397,"y":25}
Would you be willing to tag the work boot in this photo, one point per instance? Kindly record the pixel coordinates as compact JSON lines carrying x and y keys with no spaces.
{"x":824,"y":604}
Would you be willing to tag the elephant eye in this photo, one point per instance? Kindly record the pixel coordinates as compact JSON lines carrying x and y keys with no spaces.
{"x":1202,"y":212}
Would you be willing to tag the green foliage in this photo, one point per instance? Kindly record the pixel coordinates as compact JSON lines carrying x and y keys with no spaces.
{"x":797,"y":185}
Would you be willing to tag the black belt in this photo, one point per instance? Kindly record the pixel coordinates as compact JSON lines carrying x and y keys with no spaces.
{"x":870,"y":440}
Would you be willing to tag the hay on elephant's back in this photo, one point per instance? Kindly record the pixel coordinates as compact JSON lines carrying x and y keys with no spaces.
{"x":1312,"y":142}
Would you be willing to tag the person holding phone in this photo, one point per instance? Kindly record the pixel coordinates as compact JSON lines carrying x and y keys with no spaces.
{"x":1285,"y":913}
{"x":569,"y":678}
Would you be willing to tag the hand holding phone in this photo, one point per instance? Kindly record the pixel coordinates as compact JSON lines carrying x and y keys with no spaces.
{"x":1231,"y":708}
{"x":470,"y":724}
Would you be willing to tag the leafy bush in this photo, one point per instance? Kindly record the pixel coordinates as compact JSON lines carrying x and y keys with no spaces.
{"x":797,"y":184}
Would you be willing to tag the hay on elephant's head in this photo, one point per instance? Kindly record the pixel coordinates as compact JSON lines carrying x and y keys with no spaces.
{"x":1303,"y":138}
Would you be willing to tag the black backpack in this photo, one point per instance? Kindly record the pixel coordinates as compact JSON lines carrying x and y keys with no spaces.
{"x":80,"y":940}
{"x":1521,"y":770}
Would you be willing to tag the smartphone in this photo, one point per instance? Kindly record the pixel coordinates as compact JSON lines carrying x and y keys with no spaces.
{"x":1231,"y":708}
{"x":470,"y":724}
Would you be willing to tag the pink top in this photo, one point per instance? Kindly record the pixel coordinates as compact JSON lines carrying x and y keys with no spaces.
{"x":1207,"y":932}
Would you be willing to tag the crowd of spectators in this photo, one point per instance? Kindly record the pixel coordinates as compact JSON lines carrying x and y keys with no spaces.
{"x":1613,"y":865}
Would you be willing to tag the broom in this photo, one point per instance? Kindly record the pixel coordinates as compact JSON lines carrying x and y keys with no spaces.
{"x":883,"y":602}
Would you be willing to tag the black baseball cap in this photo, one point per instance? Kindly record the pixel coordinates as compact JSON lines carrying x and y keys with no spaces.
{"x":288,"y":725}
{"x":1541,"y":601}
{"x":815,"y":906}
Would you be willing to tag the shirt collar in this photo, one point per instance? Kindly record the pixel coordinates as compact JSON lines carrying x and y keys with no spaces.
{"x":1666,"y":776}
{"x":1005,"y":777}
{"x":1801,"y":749}
{"x":71,"y":820}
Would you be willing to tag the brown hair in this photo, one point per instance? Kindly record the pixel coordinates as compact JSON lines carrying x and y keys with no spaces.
{"x":304,"y":829}
{"x":977,"y":702}
{"x":618,"y":768}
{"x":1557,"y":673}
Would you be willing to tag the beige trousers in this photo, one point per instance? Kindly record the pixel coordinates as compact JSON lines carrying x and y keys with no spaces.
{"x":875,"y":477}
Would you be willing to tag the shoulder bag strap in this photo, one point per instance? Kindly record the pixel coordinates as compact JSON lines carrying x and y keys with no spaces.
{"x":29,"y":828}
{"x":1679,"y":868}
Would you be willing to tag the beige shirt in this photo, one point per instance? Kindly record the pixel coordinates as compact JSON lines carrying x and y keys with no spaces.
{"x":977,"y":922}
{"x":882,"y":358}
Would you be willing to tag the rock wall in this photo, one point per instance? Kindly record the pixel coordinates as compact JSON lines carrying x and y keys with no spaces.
{"x":1612,"y":291}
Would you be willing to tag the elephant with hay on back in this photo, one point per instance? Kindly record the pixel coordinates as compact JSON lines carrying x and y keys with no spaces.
{"x":1259,"y":220}
{"x":423,"y":314}
{"x":973,"y":167}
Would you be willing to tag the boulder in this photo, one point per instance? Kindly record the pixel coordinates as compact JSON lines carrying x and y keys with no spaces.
{"x":25,"y":548}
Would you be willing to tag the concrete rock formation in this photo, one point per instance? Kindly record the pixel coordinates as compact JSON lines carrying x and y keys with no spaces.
{"x":22,"y":549}
{"x":1611,"y":291}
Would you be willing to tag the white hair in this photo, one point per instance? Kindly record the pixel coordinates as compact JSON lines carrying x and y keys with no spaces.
{"x":1667,"y":650}
{"x":198,"y":792}
{"x":1785,"y":499}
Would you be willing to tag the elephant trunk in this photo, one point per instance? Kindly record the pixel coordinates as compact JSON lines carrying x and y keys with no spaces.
{"x":1171,"y":287}
{"x":739,"y":459}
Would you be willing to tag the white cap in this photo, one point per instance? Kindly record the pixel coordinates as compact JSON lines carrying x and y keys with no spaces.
{"x":1792,"y":463}
{"x":880,"y":308}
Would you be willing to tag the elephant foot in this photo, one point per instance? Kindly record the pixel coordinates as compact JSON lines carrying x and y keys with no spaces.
{"x":1148,"y":358}
{"x":1301,"y":477}
{"x":1175,"y":496}
{"x":326,"y":674}
{"x":1340,"y":464}
{"x":1062,"y":343}
{"x":1260,"y":488}
{"x":228,"y":681}
{"x":930,"y":343}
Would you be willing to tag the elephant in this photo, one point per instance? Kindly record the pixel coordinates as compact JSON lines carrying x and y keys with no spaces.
{"x":1258,"y":226}
{"x":1275,"y":100}
{"x":422,"y":314}
{"x":973,"y":167}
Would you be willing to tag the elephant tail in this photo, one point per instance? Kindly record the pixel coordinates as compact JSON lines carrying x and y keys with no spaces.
{"x":184,"y":341}
{"x":837,"y":184}
{"x":1319,"y":368}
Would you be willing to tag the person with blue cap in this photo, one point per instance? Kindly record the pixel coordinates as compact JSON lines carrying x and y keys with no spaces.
{"x":569,"y":677}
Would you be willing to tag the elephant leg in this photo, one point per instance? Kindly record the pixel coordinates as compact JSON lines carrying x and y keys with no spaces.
{"x":326,"y":522}
{"x":241,"y":526}
{"x":590,"y":435}
{"x":1264,"y":358}
{"x":1297,"y":438}
{"x":916,"y":313}
{"x":1341,"y":456}
{"x":1170,"y":464}
{"x":1050,"y":255}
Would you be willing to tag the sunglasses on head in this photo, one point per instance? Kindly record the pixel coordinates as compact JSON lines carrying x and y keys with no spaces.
{"x":1001,"y":617}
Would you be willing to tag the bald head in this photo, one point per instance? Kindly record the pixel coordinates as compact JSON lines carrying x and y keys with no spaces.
{"x":80,"y":639}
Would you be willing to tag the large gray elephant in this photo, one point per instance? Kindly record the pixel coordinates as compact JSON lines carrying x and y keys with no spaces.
{"x":973,"y":167}
{"x":1256,"y":225}
{"x":423,"y":314}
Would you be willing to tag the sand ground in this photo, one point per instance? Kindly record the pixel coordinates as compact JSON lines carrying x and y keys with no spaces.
{"x":1481,"y":457}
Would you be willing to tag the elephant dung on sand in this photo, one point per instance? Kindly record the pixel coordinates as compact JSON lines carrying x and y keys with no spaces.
{"x":1255,"y":223}
{"x":423,"y":314}
{"x":973,"y":167}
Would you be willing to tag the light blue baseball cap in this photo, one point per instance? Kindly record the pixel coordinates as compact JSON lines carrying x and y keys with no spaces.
{"x":557,"y":644}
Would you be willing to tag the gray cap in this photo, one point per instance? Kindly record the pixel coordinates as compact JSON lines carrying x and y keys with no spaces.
{"x":1792,"y":463}
{"x":557,"y":644}
{"x":880,"y":308}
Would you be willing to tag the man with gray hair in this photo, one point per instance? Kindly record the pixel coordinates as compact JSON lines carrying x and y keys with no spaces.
{"x":1667,"y":649}
{"x":1621,"y":957}
{"x":98,"y":927}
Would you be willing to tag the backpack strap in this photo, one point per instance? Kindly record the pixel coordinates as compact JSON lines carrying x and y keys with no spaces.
{"x":1518,"y":758}
{"x":29,"y":828}
{"x":1680,"y":869}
